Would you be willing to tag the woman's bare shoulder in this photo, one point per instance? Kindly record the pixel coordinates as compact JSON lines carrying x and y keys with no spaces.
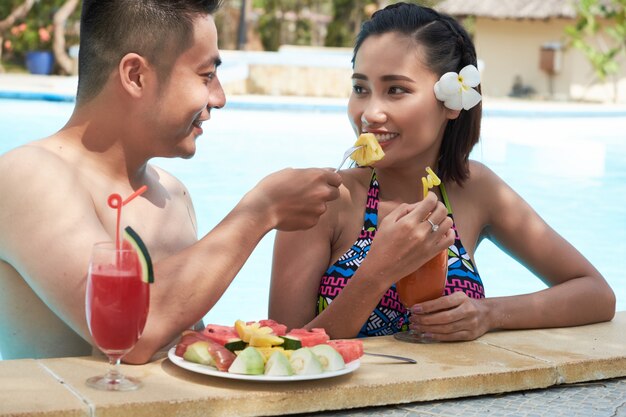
{"x":481,"y":178}
{"x":482,"y":189}
{"x":479,"y":172}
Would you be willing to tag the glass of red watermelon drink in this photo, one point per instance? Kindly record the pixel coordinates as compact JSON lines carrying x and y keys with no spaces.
{"x":117,"y":302}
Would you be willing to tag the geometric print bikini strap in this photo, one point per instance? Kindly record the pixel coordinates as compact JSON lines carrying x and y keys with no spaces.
{"x":370,"y":221}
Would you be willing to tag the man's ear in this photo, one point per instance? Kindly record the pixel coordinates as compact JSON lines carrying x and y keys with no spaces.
{"x":134,"y":72}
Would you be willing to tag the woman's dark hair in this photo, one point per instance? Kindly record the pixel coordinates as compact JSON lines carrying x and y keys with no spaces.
{"x":159,"y":30}
{"x":447,"y":47}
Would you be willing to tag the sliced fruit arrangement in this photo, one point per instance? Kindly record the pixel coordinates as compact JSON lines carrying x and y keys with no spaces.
{"x":265,"y":347}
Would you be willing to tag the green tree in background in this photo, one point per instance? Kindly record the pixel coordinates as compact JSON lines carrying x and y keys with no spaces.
{"x":600,"y":33}
{"x":272,"y":22}
{"x":298,"y":22}
{"x":347,"y":18}
{"x":348,"y":15}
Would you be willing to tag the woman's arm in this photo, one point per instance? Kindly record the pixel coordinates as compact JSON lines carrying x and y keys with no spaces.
{"x":300,"y":258}
{"x":577,"y":293}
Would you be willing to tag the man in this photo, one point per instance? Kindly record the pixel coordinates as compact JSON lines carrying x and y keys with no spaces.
{"x":147,"y":82}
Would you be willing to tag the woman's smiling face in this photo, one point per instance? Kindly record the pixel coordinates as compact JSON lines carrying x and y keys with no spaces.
{"x":393,"y":98}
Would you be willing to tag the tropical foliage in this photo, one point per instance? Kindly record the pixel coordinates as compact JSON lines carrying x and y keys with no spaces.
{"x":288,"y":21}
{"x":34,"y":31}
{"x":34,"y":28}
{"x":348,"y":15}
{"x":600,"y":33}
{"x":297,"y":21}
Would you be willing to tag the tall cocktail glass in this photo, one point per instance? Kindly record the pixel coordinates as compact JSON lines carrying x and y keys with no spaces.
{"x":116,"y":303}
{"x":426,"y":283}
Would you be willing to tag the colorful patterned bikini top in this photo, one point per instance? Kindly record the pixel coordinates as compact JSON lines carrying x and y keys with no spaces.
{"x":390,"y":316}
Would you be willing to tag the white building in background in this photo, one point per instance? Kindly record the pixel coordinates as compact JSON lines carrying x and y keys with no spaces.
{"x":523,"y":43}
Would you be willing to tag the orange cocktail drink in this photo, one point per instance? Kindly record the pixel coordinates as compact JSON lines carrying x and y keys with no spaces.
{"x":427,"y":283}
{"x":429,"y":280}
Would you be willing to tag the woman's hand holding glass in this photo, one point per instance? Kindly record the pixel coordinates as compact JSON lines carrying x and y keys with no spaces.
{"x":453,"y":318}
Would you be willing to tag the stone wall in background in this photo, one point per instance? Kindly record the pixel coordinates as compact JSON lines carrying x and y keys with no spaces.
{"x":292,"y":71}
{"x":282,"y":80}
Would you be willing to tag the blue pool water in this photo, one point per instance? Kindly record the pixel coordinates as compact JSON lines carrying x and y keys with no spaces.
{"x":572,"y":170}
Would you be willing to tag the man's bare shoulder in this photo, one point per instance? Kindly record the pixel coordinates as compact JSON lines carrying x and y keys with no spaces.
{"x":169,"y":181}
{"x":33,"y":172}
{"x":179,"y":195}
{"x":31,"y":162}
{"x":38,"y":186}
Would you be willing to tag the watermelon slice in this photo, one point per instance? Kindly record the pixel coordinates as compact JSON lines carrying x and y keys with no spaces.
{"x":309,"y":338}
{"x":147,"y":272}
{"x":221,"y":334}
{"x":349,"y":349}
{"x":277,"y":328}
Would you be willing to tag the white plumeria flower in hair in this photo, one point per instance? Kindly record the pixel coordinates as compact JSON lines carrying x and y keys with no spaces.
{"x":457,"y":90}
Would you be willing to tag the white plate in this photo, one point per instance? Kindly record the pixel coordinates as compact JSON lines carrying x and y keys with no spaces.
{"x":209,"y":370}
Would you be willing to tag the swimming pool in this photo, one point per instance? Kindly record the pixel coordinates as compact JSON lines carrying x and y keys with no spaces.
{"x":572,"y":170}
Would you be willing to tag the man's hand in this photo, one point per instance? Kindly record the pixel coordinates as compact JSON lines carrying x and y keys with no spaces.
{"x":294,"y":199}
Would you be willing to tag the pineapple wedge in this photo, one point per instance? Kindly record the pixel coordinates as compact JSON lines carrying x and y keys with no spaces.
{"x":256,"y":335}
{"x":246,"y":331}
{"x":266,"y":352}
{"x":264,"y":340}
{"x":370,"y":153}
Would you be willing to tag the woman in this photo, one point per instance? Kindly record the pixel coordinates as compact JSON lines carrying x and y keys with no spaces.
{"x":414,"y":73}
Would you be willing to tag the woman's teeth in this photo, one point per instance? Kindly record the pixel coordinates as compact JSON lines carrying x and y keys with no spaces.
{"x":384,"y":137}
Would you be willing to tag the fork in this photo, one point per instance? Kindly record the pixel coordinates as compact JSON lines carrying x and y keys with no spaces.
{"x":398,"y":358}
{"x":347,"y":154}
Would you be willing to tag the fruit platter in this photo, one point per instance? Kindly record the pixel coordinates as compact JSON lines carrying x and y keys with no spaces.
{"x":265,"y":351}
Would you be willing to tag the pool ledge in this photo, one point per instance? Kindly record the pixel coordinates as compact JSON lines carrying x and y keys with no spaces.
{"x":496,"y":363}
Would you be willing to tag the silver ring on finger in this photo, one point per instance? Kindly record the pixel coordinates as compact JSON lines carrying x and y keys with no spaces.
{"x":434,"y":227}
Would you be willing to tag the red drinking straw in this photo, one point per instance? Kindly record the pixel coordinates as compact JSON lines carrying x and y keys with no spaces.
{"x":115,"y":202}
